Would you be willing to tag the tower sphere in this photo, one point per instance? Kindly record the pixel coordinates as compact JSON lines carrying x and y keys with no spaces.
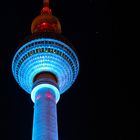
{"x":45,"y":52}
{"x":45,"y":21}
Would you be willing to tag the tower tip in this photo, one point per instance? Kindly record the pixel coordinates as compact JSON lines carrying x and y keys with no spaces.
{"x":46,"y":22}
{"x":46,"y":2}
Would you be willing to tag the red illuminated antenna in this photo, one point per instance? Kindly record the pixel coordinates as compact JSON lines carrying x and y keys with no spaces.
{"x":46,"y":1}
{"x":46,"y":8}
{"x":46,"y":22}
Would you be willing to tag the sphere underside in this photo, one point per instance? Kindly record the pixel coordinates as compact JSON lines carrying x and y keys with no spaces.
{"x":45,"y":54}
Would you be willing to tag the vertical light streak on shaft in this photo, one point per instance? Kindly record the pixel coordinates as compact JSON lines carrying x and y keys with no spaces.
{"x":45,"y":116}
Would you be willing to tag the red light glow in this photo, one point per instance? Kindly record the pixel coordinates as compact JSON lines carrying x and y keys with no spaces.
{"x":49,"y":95}
{"x":38,"y":97}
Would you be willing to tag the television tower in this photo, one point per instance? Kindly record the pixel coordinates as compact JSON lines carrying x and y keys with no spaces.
{"x":45,"y":66}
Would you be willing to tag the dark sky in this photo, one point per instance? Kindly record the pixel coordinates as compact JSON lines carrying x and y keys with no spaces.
{"x":97,"y":106}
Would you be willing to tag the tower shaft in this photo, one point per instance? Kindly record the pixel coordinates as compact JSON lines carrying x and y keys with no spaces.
{"x":45,"y":115}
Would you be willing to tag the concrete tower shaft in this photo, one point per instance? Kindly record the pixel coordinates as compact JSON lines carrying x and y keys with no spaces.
{"x":45,"y":114}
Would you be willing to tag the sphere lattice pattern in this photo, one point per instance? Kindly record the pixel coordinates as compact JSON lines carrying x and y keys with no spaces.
{"x":45,"y":54}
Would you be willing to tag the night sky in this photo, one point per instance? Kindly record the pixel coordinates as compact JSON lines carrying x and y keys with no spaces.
{"x":97,"y":106}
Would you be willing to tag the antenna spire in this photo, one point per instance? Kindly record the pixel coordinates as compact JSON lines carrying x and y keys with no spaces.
{"x":46,"y":2}
{"x":46,"y":9}
{"x":46,"y":22}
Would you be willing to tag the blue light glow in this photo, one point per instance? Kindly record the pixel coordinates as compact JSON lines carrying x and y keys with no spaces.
{"x":45,"y":115}
{"x":45,"y":54}
{"x":48,"y":86}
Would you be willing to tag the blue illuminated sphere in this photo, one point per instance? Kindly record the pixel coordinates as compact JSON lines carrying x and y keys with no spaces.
{"x":45,"y":52}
